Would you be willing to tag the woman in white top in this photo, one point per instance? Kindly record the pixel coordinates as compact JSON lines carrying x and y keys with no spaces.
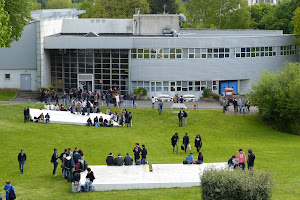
{"x":153,"y":101}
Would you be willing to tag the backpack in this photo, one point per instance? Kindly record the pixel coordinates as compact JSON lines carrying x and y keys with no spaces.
{"x":78,"y":104}
{"x":11,"y":193}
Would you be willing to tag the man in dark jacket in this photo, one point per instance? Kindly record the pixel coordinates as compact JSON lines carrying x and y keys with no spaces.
{"x":110,"y":160}
{"x":128,"y":160}
{"x":185,"y":117}
{"x":186,"y":141}
{"x":22,"y":160}
{"x":144,"y":154}
{"x":69,"y":164}
{"x":54,"y":160}
{"x":251,"y":158}
{"x":137,"y":152}
{"x":180,"y":118}
{"x":119,"y":160}
{"x":174,"y":141}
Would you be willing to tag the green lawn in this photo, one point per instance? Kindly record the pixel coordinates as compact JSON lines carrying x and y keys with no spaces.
{"x":7,"y":96}
{"x":222,"y":136}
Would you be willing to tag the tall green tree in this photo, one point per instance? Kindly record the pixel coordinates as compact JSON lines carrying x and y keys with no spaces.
{"x":159,"y":6}
{"x":218,"y":14}
{"x":258,"y":11}
{"x":277,"y":97}
{"x":59,"y":4}
{"x":43,"y":3}
{"x":115,"y":8}
{"x":35,"y":5}
{"x":14,"y":15}
{"x":296,"y":23}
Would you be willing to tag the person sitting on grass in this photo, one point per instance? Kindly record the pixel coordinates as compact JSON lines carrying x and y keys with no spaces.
{"x":89,"y":122}
{"x":200,"y":158}
{"x":89,"y":179}
{"x":101,"y":121}
{"x":128,"y":160}
{"x":47,"y":118}
{"x":41,"y":117}
{"x":190,"y":158}
{"x":96,"y":120}
{"x":105,"y":123}
{"x":119,"y":160}
{"x":110,"y":160}
{"x":231,"y":161}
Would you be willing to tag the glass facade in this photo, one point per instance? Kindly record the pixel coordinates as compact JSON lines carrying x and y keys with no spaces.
{"x":110,"y":68}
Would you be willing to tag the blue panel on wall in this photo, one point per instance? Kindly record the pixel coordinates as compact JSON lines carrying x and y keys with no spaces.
{"x":228,"y":84}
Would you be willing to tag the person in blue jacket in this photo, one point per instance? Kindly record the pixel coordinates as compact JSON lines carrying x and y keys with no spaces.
{"x":7,"y":187}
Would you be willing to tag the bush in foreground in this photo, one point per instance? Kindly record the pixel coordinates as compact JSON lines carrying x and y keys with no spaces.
{"x":235,"y":185}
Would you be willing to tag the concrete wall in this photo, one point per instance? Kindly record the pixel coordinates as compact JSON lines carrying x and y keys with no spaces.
{"x":113,"y":26}
{"x":22,"y":54}
{"x":15,"y":81}
{"x":154,"y":24}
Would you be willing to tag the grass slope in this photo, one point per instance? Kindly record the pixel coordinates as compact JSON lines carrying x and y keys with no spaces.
{"x":222,"y":136}
{"x":7,"y":96}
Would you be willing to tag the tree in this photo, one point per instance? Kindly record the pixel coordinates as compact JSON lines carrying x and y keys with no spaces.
{"x":258,"y":11}
{"x":14,"y":15}
{"x":158,"y":6}
{"x":35,"y":5}
{"x":58,"y":4}
{"x":115,"y":8}
{"x":218,"y":14}
{"x":85,"y":5}
{"x":43,"y":3}
{"x":277,"y":97}
{"x":296,"y":23}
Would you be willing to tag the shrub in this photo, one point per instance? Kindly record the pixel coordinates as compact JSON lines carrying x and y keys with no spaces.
{"x":277,"y":97}
{"x":235,"y":185}
{"x":215,"y":96}
{"x":140,"y":91}
{"x":206,"y":92}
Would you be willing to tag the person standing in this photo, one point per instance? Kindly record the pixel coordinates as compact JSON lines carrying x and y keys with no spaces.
{"x":235,"y":105}
{"x":251,"y":158}
{"x":137,"y":153}
{"x":153,"y":101}
{"x":69,"y":165}
{"x":185,"y":117}
{"x":198,"y":142}
{"x":242,"y":158}
{"x":160,"y":107}
{"x":25,"y":115}
{"x":54,"y":160}
{"x":180,"y":118}
{"x":125,"y":100}
{"x":175,"y":141}
{"x":10,"y":191}
{"x":186,"y":141}
{"x":144,"y":154}
{"x":22,"y":160}
{"x":88,"y":107}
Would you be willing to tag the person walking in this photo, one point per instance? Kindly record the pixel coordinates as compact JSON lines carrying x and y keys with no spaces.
{"x":198,"y":142}
{"x":242,"y":158}
{"x":174,"y":141}
{"x":54,"y":160}
{"x":186,"y":141}
{"x":250,"y":160}
{"x":144,"y":154}
{"x":22,"y":160}
{"x":125,"y":100}
{"x":25,"y":115}
{"x":160,"y":107}
{"x":185,"y":117}
{"x":153,"y":101}
{"x":180,"y":115}
{"x":10,"y":191}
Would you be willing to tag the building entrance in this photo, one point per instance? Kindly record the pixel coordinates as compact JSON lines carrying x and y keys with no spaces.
{"x":86,"y":82}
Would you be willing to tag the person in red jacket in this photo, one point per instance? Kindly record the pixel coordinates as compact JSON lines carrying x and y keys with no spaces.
{"x":242,"y":158}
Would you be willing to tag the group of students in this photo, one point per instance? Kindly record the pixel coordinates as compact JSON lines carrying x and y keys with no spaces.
{"x":239,"y":105}
{"x":73,"y":164}
{"x":239,"y":160}
{"x":185,"y":142}
{"x":42,"y":118}
{"x":128,"y":160}
{"x":125,"y":117}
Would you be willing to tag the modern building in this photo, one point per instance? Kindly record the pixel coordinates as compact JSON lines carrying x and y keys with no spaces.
{"x":150,"y":51}
{"x":253,"y":2}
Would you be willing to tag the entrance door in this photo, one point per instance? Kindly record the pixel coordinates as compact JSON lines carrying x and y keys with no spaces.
{"x":228,"y":84}
{"x":86,"y":82}
{"x":25,"y":81}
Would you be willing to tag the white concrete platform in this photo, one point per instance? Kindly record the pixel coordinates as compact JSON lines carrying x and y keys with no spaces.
{"x":66,"y":117}
{"x":139,"y":177}
{"x":178,"y":106}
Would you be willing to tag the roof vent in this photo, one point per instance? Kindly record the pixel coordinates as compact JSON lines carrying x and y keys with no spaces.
{"x":91,"y":34}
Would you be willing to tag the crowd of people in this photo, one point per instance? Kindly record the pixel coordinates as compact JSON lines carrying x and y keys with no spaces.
{"x":124,"y":118}
{"x":72,"y":164}
{"x":140,"y":155}
{"x":239,"y":105}
{"x":239,"y":160}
